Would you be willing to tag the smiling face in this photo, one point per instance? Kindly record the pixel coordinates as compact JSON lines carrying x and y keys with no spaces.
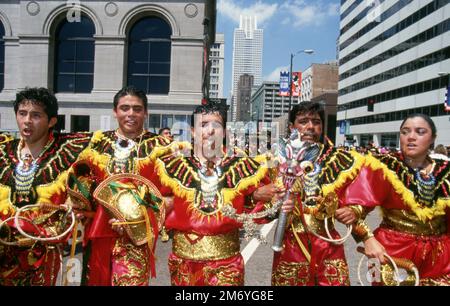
{"x":208,"y":134}
{"x":130,"y":114}
{"x":416,"y":138}
{"x":33,"y":122}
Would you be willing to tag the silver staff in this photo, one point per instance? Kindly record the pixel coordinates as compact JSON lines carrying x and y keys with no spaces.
{"x":291,"y":156}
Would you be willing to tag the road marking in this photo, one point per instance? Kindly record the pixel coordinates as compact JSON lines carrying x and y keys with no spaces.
{"x":254,"y":243}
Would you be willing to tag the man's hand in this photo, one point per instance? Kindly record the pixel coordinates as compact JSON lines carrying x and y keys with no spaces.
{"x":117,"y":228}
{"x":265,"y":193}
{"x":374,"y":249}
{"x":168,"y":202}
{"x":345,"y":215}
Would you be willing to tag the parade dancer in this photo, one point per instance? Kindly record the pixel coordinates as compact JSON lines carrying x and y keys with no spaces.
{"x":412,"y":191}
{"x":33,"y":171}
{"x":205,"y":182}
{"x":306,"y":259}
{"x":117,"y":171}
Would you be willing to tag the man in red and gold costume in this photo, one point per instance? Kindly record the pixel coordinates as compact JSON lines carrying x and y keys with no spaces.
{"x":120,"y":237}
{"x":33,"y":170}
{"x":413,"y":192}
{"x":205,"y":181}
{"x":305,"y":258}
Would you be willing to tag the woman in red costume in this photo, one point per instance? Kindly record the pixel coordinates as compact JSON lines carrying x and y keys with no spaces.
{"x":413,"y":192}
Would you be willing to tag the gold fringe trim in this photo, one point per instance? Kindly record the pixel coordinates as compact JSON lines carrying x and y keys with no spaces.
{"x":345,"y":175}
{"x":6,"y":207}
{"x":423,"y":213}
{"x":229,"y":194}
{"x":97,"y":137}
{"x":159,"y":151}
{"x":178,"y":189}
{"x":58,"y":186}
{"x":94,"y":158}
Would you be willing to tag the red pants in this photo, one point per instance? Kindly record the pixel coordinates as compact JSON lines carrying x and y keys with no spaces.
{"x":430,"y":254}
{"x":118,"y":262}
{"x":38,"y":266}
{"x":327,"y":268}
{"x":225,"y":272}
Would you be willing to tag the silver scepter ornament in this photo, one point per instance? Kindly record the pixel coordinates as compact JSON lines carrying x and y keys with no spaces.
{"x":294,"y":157}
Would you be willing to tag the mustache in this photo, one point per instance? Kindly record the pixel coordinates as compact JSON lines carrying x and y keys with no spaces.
{"x":308,"y":134}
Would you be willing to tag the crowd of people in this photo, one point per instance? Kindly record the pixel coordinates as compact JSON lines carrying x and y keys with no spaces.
{"x":127,"y":186}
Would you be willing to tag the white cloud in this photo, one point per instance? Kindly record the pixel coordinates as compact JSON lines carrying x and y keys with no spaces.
{"x":232,"y":10}
{"x":311,"y":13}
{"x":275,"y":74}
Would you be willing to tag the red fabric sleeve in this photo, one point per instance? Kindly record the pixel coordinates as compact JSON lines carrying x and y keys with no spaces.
{"x":369,"y":189}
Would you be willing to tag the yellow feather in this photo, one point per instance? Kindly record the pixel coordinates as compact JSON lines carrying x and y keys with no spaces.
{"x":6,"y":207}
{"x":58,"y":186}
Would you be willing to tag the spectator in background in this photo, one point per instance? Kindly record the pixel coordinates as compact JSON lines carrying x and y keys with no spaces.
{"x":440,"y":152}
{"x":165,"y":132}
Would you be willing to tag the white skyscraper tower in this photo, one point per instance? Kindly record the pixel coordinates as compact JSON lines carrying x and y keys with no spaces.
{"x":247,"y":55}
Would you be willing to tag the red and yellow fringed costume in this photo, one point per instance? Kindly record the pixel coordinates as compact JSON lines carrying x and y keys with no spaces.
{"x":415,"y":211}
{"x":206,"y":246}
{"x":41,"y":182}
{"x":307,"y":260}
{"x":111,"y":259}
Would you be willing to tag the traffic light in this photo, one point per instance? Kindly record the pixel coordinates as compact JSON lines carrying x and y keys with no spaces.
{"x":370,"y":103}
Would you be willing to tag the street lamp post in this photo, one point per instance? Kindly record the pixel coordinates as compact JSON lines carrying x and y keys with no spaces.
{"x":442,"y":74}
{"x":307,"y":51}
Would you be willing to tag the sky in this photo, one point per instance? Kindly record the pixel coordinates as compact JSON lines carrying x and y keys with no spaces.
{"x":289,"y":26}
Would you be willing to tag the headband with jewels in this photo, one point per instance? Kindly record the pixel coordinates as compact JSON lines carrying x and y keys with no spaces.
{"x":126,"y":197}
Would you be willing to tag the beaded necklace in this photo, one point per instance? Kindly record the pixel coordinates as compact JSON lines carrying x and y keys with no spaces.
{"x":25,"y":170}
{"x":122,"y":147}
{"x":209,"y":175}
{"x":426,"y":183}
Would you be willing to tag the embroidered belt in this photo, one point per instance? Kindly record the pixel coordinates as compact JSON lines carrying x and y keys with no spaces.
{"x":314,"y":224}
{"x":404,"y":221}
{"x":198,"y":247}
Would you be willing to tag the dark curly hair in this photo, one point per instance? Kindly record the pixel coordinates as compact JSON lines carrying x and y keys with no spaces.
{"x":306,"y":107}
{"x":132,"y":91}
{"x":39,"y":96}
{"x":211,"y":107}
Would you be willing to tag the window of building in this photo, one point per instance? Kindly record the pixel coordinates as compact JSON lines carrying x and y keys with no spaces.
{"x":154,"y":122}
{"x":149,"y":55}
{"x":2,"y":57}
{"x":61,"y":124}
{"x":74,"y":56}
{"x":79,"y":123}
{"x":389,"y":140}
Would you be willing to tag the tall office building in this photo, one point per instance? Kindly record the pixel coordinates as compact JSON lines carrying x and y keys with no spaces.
{"x":267,"y":104}
{"x":394,"y":59}
{"x":247,"y":55}
{"x":217,"y":57}
{"x":244,"y":94}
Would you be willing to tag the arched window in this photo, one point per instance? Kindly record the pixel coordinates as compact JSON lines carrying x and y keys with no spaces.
{"x":149,"y":47}
{"x":2,"y":57}
{"x":74,"y":56}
